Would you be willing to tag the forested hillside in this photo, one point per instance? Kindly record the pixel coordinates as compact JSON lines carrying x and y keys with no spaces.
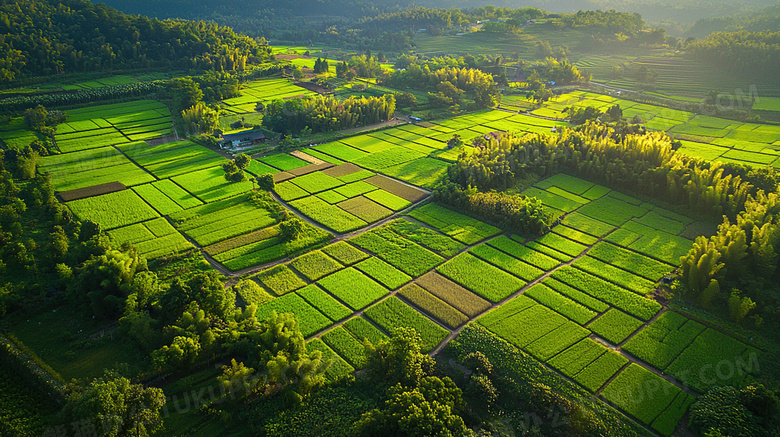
{"x":39,"y":37}
{"x":753,"y":21}
{"x":751,"y":53}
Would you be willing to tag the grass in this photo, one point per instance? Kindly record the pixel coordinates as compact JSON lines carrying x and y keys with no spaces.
{"x":74,"y":345}
{"x":521,"y":252}
{"x":432,"y":305}
{"x":630,"y":391}
{"x":316,"y":182}
{"x":458,"y":226}
{"x":354,"y":189}
{"x":625,"y":279}
{"x":314,"y":265}
{"x":615,"y":326}
{"x":388,"y":200}
{"x":222,"y":220}
{"x":172,"y":159}
{"x":92,"y":167}
{"x":353,"y":288}
{"x":176,"y":193}
{"x":113,"y":210}
{"x":152,"y":239}
{"x":631,"y":261}
{"x":561,"y":244}
{"x":428,"y":238}
{"x":633,"y":304}
{"x":560,"y":304}
{"x":480,"y":277}
{"x":288,"y":191}
{"x":273,"y":248}
{"x":329,"y":215}
{"x":362,"y":329}
{"x":158,"y":200}
{"x":309,"y":319}
{"x":280,"y":280}
{"x":456,"y":296}
{"x":388,"y":158}
{"x":347,"y":346}
{"x":576,"y":295}
{"x":365,"y":209}
{"x":345,"y":253}
{"x":284,"y":162}
{"x":600,"y":370}
{"x":338,"y":368}
{"x":423,"y":172}
{"x":661,"y":341}
{"x":383,"y":273}
{"x":506,"y":262}
{"x":405,"y":255}
{"x":210,"y":185}
{"x":693,"y":366}
{"x":391,"y":313}
{"x":324,"y":302}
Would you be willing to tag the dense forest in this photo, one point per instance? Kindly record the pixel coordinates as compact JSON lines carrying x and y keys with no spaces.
{"x":756,"y":54}
{"x":753,"y":21}
{"x":40,"y":37}
{"x":381,"y":26}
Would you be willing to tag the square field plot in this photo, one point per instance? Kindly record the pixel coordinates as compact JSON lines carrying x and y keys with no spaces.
{"x":113,"y":210}
{"x":152,"y":239}
{"x":76,"y":170}
{"x":215,"y":222}
{"x":172,"y":159}
{"x":405,"y":255}
{"x":480,"y":277}
{"x":210,"y":184}
{"x":353,"y":288}
{"x":458,"y":226}
{"x":280,"y":280}
{"x":392,"y":313}
{"x":310,"y":320}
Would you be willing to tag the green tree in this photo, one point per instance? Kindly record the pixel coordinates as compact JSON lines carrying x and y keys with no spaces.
{"x":290,"y":228}
{"x":281,"y":350}
{"x":430,"y":408}
{"x":104,"y":281}
{"x":120,"y":407}
{"x":400,"y":359}
{"x":727,"y":411}
{"x":200,"y":118}
{"x":265,"y":182}
{"x":237,"y":379}
{"x":186,"y":93}
{"x":182,"y":352}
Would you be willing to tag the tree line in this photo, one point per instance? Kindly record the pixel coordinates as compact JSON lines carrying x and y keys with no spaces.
{"x":753,"y":54}
{"x":449,"y":85}
{"x":326,"y":113}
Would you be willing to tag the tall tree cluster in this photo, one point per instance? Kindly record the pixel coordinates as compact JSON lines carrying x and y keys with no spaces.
{"x":325,"y":113}
{"x":754,"y":54}
{"x":449,"y":84}
{"x":39,"y":37}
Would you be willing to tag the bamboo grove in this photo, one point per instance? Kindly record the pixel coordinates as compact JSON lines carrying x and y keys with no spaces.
{"x":734,"y":269}
{"x":326,"y":114}
{"x":449,"y":83}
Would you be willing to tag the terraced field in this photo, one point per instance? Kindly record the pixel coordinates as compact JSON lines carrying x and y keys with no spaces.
{"x":419,"y":154}
{"x":702,"y":136}
{"x":262,"y":90}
